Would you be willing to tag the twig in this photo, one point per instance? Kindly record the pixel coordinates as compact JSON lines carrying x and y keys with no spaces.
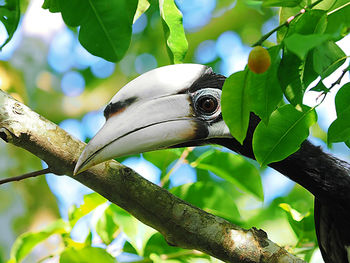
{"x":25,"y":176}
{"x":337,"y":82}
{"x":179,"y":162}
{"x":286,"y":23}
{"x":338,"y":8}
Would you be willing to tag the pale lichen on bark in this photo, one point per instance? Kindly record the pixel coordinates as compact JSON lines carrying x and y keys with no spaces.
{"x":181,"y":223}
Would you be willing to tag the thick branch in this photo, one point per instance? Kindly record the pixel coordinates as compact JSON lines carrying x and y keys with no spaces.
{"x":181,"y":224}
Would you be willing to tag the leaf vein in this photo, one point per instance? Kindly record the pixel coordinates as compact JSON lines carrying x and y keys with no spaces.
{"x":285,"y":134}
{"x":104,"y":29}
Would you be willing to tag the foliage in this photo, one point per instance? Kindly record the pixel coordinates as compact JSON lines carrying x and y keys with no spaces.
{"x":309,"y":51}
{"x":227,"y":185}
{"x":284,"y":133}
{"x":9,"y":16}
{"x":173,"y":30}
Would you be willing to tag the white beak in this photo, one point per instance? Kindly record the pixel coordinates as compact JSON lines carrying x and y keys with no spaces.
{"x":145,"y":125}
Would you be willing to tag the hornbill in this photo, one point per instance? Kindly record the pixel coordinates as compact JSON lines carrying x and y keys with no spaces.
{"x":179,"y":105}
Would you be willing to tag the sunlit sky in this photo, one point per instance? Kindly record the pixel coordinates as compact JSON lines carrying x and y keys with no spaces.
{"x":65,"y":53}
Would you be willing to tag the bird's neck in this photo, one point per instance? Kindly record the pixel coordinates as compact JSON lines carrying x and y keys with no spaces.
{"x":325,"y":176}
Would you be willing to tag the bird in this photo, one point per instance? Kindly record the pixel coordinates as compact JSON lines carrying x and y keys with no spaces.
{"x":179,"y":106}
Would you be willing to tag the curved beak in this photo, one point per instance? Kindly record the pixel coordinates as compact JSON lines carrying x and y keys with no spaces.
{"x":143,"y":125}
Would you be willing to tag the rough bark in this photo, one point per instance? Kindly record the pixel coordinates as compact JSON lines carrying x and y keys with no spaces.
{"x":179,"y":222}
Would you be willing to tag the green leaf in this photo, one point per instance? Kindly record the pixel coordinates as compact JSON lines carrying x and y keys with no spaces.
{"x":318,"y":132}
{"x":312,"y":22}
{"x":339,"y":130}
{"x":216,"y":200}
{"x":327,"y":5}
{"x":157,"y":244}
{"x":91,"y":201}
{"x":284,"y":14}
{"x":299,"y":198}
{"x":25,"y":243}
{"x":342,"y":100}
{"x":233,"y":168}
{"x":9,"y":16}
{"x":154,"y":258}
{"x":289,"y":78}
{"x":287,"y":12}
{"x":264,"y":89}
{"x":300,"y":45}
{"x":128,"y":248}
{"x":302,"y":224}
{"x":106,"y":226}
{"x":133,"y":228}
{"x":52,"y":5}
{"x":86,"y":254}
{"x":339,"y":20}
{"x":162,"y":158}
{"x":286,"y":3}
{"x":173,"y":30}
{"x":327,"y":57}
{"x":307,"y":72}
{"x":88,"y":239}
{"x":308,"y":23}
{"x":320,"y":87}
{"x":142,"y":7}
{"x":235,"y":104}
{"x":287,"y":129}
{"x":348,"y":143}
{"x":105,"y":25}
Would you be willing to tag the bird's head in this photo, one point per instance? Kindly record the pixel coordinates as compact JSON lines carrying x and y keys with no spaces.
{"x":171,"y":106}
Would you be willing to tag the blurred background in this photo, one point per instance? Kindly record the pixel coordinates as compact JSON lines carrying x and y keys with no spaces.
{"x":45,"y":67}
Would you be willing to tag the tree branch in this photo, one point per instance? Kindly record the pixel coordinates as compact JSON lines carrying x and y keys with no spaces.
{"x":179,"y":222}
{"x":24,"y":176}
{"x":285,"y":24}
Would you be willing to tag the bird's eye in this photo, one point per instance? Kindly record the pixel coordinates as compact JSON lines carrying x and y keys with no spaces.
{"x":207,"y":104}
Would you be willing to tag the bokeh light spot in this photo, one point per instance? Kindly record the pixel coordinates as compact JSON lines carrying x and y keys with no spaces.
{"x":82,"y":58}
{"x":233,"y":53}
{"x":127,"y":64}
{"x":234,"y":63}
{"x":183,"y":175}
{"x":72,"y":83}
{"x":102,"y":68}
{"x":140,"y":24}
{"x":144,"y":168}
{"x":44,"y":81}
{"x":196,"y":13}
{"x":228,"y":43}
{"x":145,"y":62}
{"x":205,"y":52}
{"x":73,"y":127}
{"x":60,"y":56}
{"x":92,"y":122}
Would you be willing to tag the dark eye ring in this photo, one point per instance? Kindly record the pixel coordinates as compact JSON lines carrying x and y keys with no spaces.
{"x":207,"y":104}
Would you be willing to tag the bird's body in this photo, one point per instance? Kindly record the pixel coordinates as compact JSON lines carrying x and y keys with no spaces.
{"x":179,"y":105}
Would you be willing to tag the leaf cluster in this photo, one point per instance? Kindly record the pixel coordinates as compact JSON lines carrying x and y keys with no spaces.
{"x":306,"y":52}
